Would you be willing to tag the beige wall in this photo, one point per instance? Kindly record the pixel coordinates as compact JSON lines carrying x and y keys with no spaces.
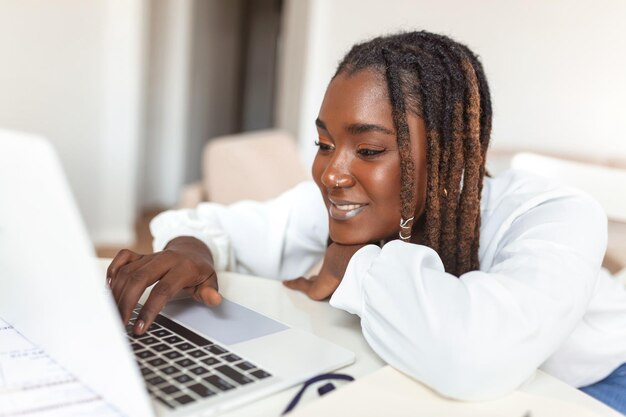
{"x":555,"y":67}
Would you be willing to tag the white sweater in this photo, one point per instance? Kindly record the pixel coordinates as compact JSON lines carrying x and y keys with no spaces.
{"x":540,"y":298}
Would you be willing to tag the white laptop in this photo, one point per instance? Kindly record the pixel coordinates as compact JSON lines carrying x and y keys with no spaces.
{"x":51,"y":290}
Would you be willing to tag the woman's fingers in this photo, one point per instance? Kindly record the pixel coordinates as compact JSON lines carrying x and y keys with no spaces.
{"x":323,"y":287}
{"x":122,"y":258}
{"x":206,"y":292}
{"x":299,"y":284}
{"x":136,"y":283}
{"x":318,"y":287}
{"x":162,"y":292}
{"x":185,"y":263}
{"x":125,"y":273}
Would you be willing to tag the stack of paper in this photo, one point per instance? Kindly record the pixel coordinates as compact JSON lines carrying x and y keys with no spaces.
{"x":32,"y":384}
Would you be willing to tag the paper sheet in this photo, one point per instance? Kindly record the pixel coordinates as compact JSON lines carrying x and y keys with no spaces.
{"x":32,"y":384}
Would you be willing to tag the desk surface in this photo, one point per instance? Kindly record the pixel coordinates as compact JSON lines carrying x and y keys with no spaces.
{"x":271,"y":298}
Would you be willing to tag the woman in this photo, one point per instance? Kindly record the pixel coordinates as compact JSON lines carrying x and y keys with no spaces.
{"x":467,"y":283}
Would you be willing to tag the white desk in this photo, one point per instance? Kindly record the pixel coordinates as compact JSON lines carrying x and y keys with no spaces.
{"x":295,"y":309}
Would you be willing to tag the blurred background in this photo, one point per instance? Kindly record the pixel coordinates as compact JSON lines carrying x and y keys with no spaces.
{"x":131,"y":91}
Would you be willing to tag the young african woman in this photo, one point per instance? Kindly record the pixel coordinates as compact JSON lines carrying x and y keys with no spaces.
{"x":466,"y":282}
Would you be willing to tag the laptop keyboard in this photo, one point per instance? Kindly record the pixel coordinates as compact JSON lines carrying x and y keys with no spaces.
{"x":181,"y":367}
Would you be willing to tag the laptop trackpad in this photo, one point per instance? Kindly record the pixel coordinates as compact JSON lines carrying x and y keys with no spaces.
{"x":228,"y":323}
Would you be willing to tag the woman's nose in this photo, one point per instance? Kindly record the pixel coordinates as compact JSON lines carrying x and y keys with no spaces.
{"x":337,"y":175}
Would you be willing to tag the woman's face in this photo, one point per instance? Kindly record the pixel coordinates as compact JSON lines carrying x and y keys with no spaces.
{"x":357,"y":166}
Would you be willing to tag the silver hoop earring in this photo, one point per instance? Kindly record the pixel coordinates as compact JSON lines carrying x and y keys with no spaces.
{"x":404,"y":225}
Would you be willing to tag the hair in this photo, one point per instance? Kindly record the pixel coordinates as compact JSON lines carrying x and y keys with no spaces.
{"x":442,"y":82}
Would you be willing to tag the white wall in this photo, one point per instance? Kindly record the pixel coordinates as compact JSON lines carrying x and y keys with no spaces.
{"x":556,"y":68}
{"x":71,"y":71}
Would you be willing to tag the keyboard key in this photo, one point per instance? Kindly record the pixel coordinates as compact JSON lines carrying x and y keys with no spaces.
{"x":145,"y":371}
{"x":201,"y":390}
{"x":245,"y":366}
{"x":219,"y":383}
{"x":184,"y":346}
{"x":155,"y":380}
{"x":216,"y":349}
{"x":154,"y":327}
{"x":169,"y":370}
{"x":183,"y":378}
{"x":199,"y":370}
{"x":169,"y":389}
{"x":160,"y":347}
{"x":211,"y":361}
{"x":173,"y":355}
{"x":149,"y":340}
{"x":231,"y":357}
{"x":260,"y":373}
{"x":161,"y":333}
{"x":185,"y":363}
{"x":172,"y":339}
{"x":184,"y":399}
{"x":233,"y":374}
{"x":145,"y":354}
{"x":136,"y":346}
{"x":157,"y":362}
{"x":198,"y":353}
{"x":193,"y":337}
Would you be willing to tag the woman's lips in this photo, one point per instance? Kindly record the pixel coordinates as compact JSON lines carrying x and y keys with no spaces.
{"x":345,"y":210}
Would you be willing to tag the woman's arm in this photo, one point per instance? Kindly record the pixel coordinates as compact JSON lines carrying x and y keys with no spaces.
{"x":280,"y":238}
{"x":480,"y":336}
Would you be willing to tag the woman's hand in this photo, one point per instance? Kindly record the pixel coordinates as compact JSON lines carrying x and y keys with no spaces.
{"x":185,"y":263}
{"x":323,"y":285}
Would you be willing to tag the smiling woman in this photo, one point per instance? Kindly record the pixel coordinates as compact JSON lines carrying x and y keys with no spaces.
{"x":357,"y":167}
{"x":467,"y":283}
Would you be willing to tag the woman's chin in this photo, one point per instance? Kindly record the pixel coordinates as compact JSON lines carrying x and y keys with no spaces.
{"x":342,"y":239}
{"x":347,"y":242}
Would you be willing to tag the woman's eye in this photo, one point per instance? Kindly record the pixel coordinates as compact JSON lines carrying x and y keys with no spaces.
{"x":368,"y":153}
{"x":324,"y":146}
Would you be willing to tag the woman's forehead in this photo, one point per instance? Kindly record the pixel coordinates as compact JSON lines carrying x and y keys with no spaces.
{"x":359,"y":97}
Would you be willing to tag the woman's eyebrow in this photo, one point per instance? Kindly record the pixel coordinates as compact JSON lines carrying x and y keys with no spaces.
{"x":358,"y":128}
{"x":320,"y":124}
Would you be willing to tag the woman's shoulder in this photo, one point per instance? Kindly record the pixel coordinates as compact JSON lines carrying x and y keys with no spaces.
{"x":518,"y":204}
{"x":514,"y":193}
{"x":520,"y":188}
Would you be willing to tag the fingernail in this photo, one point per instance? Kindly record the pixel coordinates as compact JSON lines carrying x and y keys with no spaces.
{"x":139,"y":326}
{"x":109,"y":282}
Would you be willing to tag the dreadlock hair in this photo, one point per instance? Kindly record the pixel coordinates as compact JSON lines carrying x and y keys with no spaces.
{"x":442,"y":82}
